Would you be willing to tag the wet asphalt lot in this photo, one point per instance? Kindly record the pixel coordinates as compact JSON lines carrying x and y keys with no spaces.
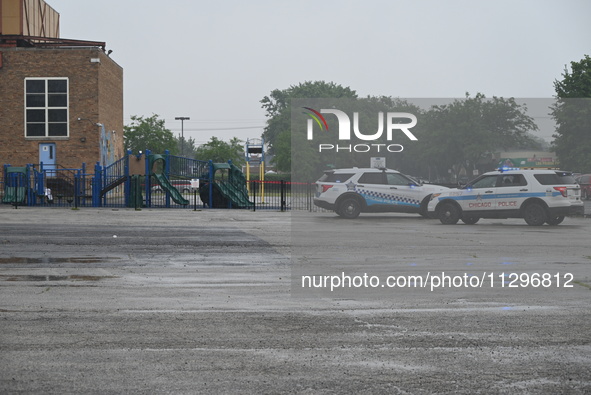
{"x":201,"y":302}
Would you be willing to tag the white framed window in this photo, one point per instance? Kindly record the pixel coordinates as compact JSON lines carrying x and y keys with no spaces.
{"x":46,"y":107}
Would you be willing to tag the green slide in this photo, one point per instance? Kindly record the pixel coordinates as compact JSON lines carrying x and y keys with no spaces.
{"x":236,"y":195}
{"x":157,"y":165}
{"x":167,"y":186}
{"x":233,"y":190}
{"x":14,"y":195}
{"x":13,"y":191}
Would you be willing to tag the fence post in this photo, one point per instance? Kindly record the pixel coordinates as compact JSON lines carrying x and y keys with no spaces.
{"x":282,"y":195}
{"x":254,"y":195}
{"x":97,"y":185}
{"x":211,"y":180}
{"x":28,"y":190}
{"x":76,"y":189}
{"x":39,"y":182}
{"x":310,"y":196}
{"x":166,"y":172}
{"x":83,"y":186}
{"x":17,"y":184}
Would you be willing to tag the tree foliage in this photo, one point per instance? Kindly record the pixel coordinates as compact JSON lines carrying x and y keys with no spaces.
{"x":278,"y":109}
{"x":148,"y":134}
{"x":572,"y":113}
{"x":463,"y":134}
{"x":220,"y":151}
{"x":185,"y":147}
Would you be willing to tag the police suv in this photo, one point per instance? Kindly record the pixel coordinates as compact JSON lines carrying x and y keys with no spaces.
{"x":537,"y":196}
{"x":351,"y":191}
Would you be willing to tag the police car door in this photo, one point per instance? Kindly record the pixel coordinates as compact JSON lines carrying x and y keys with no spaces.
{"x":480,"y":195}
{"x":403,"y":191}
{"x":512,"y":190}
{"x":372,"y":186}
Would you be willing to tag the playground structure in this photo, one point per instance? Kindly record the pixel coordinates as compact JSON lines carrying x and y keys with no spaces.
{"x":255,"y":155}
{"x":132,"y":181}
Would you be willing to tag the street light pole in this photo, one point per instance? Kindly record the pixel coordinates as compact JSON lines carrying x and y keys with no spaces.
{"x":182,"y":119}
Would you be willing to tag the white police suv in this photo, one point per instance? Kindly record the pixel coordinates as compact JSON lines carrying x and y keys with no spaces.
{"x":538,"y":196}
{"x":351,"y":191}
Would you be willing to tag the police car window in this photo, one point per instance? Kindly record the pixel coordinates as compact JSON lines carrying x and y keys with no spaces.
{"x":333,"y":177}
{"x":512,"y":180}
{"x":558,"y":178}
{"x":485,"y":182}
{"x":372,"y":178}
{"x":565,"y":177}
{"x":397,"y":179}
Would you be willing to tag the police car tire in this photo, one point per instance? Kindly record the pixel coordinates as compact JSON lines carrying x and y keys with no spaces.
{"x":423,"y":207}
{"x":535,"y":214}
{"x":349,"y":208}
{"x":470,"y":220}
{"x":449,"y":214}
{"x":555,"y":220}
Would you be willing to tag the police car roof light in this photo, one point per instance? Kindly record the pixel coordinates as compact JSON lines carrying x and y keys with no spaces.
{"x":502,"y":169}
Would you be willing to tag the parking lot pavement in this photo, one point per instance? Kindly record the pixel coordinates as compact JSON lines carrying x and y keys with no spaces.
{"x":178,"y":301}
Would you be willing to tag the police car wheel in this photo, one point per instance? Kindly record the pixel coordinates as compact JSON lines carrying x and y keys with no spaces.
{"x":423,"y":208}
{"x":449,"y":214}
{"x":534,"y":214}
{"x":349,"y":208}
{"x":555,"y":220}
{"x":470,"y":220}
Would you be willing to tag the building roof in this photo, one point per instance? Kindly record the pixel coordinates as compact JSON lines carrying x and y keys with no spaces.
{"x":31,"y":41}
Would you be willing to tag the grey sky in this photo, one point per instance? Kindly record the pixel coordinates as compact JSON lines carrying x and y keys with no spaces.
{"x":215,"y":60}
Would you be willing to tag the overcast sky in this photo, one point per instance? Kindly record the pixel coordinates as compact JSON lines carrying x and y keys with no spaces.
{"x":213,"y":61}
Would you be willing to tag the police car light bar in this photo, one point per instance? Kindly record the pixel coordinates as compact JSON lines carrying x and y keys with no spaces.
{"x":502,"y":169}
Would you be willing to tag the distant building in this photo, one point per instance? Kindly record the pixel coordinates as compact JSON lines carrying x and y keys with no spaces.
{"x":528,"y":160}
{"x":61,"y":100}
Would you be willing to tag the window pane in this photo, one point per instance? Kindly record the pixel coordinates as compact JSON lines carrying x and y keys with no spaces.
{"x":486,"y":182}
{"x":57,"y":100}
{"x":397,"y":179}
{"x":332,"y":177}
{"x":372,"y":178}
{"x":35,"y":129}
{"x":35,"y":86}
{"x":35,"y":100}
{"x":58,"y":115}
{"x":35,"y":115}
{"x":58,"y":129}
{"x":57,"y":86}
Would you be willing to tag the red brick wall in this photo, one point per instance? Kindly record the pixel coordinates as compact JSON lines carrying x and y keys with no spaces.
{"x":95,"y":95}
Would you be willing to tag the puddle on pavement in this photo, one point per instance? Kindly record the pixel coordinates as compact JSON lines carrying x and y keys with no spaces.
{"x":85,"y":259}
{"x":51,"y":277}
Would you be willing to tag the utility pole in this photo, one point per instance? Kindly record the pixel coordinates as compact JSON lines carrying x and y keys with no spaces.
{"x":182,"y":119}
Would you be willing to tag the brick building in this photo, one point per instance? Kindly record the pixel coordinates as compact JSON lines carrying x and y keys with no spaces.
{"x":61,"y":100}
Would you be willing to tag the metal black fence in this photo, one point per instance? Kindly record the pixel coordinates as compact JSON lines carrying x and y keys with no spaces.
{"x":72,"y":188}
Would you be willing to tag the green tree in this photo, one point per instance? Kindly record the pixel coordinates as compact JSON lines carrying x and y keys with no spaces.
{"x":572,"y":113}
{"x":277,"y":133}
{"x":460,"y":135}
{"x":185,"y":147}
{"x":148,"y":134}
{"x":220,"y":151}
